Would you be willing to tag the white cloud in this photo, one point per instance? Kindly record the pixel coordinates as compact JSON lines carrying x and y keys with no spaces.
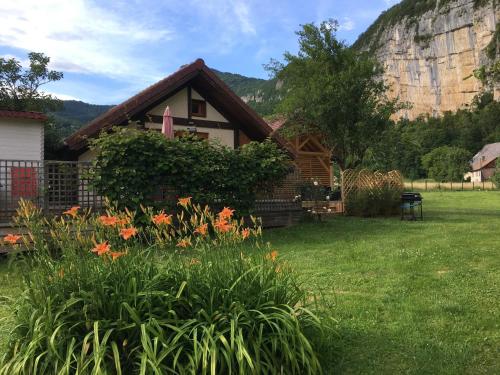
{"x":62,"y":96}
{"x":347,"y":24}
{"x":79,"y":36}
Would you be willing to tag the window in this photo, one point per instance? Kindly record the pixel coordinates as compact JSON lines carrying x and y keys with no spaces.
{"x":198,"y":108}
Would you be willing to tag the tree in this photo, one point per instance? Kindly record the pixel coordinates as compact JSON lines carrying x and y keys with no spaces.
{"x":496,"y":177}
{"x":334,"y":91}
{"x":19,"y":87}
{"x":447,"y":163}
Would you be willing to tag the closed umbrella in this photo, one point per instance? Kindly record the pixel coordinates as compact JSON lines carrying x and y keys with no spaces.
{"x":168,"y":124}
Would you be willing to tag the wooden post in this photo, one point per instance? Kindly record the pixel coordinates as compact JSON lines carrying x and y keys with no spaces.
{"x":425,"y":184}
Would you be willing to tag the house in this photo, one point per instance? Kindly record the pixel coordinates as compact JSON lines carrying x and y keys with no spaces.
{"x":200,"y":102}
{"x":484,"y":162}
{"x":21,"y":157}
{"x":312,"y":157}
{"x":21,"y":135}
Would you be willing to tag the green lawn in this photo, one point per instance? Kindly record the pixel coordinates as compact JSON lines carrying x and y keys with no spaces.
{"x":409,"y":297}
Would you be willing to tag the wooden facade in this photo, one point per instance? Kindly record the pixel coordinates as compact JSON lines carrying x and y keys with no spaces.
{"x":312,"y":158}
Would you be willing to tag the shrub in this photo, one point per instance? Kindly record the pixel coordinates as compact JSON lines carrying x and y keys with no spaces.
{"x":447,"y":163}
{"x":221,"y":309}
{"x":369,"y":194}
{"x":374,"y":202}
{"x":132,"y":165}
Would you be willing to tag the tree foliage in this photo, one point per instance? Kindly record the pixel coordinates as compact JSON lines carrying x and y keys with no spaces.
{"x":132,"y":164}
{"x":405,"y":143}
{"x":447,"y":163}
{"x":20,"y":87}
{"x":332,"y":90}
{"x":496,"y":177}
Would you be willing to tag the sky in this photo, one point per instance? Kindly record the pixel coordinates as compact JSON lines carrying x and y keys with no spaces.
{"x":109,"y":50}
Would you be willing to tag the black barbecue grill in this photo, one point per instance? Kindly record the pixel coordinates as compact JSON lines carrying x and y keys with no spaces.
{"x":411,"y":202}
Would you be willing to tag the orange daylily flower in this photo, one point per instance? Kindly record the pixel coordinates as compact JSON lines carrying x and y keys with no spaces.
{"x":184,"y":201}
{"x":194,"y":261}
{"x":73,"y":211}
{"x":202,"y":229}
{"x":222,"y":225}
{"x":183,"y":243}
{"x":226,"y":213}
{"x":61,"y":273}
{"x":126,"y":233}
{"x":12,"y":238}
{"x":116,"y":254}
{"x":245,"y":233}
{"x":272,"y":255}
{"x":101,"y":248}
{"x":162,"y":218}
{"x":109,"y":221}
{"x":124,"y":221}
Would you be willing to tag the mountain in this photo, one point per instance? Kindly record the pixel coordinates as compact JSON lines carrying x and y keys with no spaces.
{"x":431,"y":48}
{"x":74,"y":114}
{"x":261,"y":94}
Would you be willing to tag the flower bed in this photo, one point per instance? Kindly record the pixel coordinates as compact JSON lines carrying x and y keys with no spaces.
{"x":197,"y":292}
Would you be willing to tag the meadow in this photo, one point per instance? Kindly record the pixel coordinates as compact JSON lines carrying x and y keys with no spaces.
{"x":407,"y":297}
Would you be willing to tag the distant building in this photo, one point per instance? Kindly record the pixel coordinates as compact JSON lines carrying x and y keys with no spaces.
{"x":484,"y":162}
{"x":21,"y":135}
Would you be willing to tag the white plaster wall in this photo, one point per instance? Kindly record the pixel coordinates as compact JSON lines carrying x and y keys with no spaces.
{"x":21,"y":139}
{"x":88,"y":155}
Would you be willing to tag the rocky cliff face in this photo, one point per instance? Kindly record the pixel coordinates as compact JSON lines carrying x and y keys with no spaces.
{"x":429,"y":58}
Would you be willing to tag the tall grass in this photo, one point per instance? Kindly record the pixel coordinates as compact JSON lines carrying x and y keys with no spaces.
{"x":228,"y":309}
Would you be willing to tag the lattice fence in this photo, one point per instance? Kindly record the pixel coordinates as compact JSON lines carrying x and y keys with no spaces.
{"x":53,"y":186}
{"x":356,"y":180}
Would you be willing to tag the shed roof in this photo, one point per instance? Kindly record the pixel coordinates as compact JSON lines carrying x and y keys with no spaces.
{"x":484,"y":157}
{"x":30,"y":115}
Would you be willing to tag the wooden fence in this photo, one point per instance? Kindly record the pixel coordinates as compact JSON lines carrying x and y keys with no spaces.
{"x":425,"y":185}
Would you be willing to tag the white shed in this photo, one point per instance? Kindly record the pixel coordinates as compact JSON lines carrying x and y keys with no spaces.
{"x":21,"y":135}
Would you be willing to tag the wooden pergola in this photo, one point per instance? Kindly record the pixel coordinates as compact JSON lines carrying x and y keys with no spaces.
{"x":312,"y":159}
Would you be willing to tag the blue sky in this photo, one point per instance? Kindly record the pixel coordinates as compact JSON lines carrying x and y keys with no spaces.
{"x":109,"y":50}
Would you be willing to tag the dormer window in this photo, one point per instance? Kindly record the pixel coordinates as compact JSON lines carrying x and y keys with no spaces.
{"x":198,"y":108}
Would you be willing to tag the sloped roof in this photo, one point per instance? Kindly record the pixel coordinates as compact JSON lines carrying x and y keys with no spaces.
{"x":487,"y":154}
{"x":203,"y":80}
{"x":30,"y":115}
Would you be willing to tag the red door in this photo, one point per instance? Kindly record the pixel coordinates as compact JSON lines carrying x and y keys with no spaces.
{"x":24,"y":182}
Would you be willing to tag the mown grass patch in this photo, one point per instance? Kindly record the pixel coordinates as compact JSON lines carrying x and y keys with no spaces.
{"x":410,"y":297}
